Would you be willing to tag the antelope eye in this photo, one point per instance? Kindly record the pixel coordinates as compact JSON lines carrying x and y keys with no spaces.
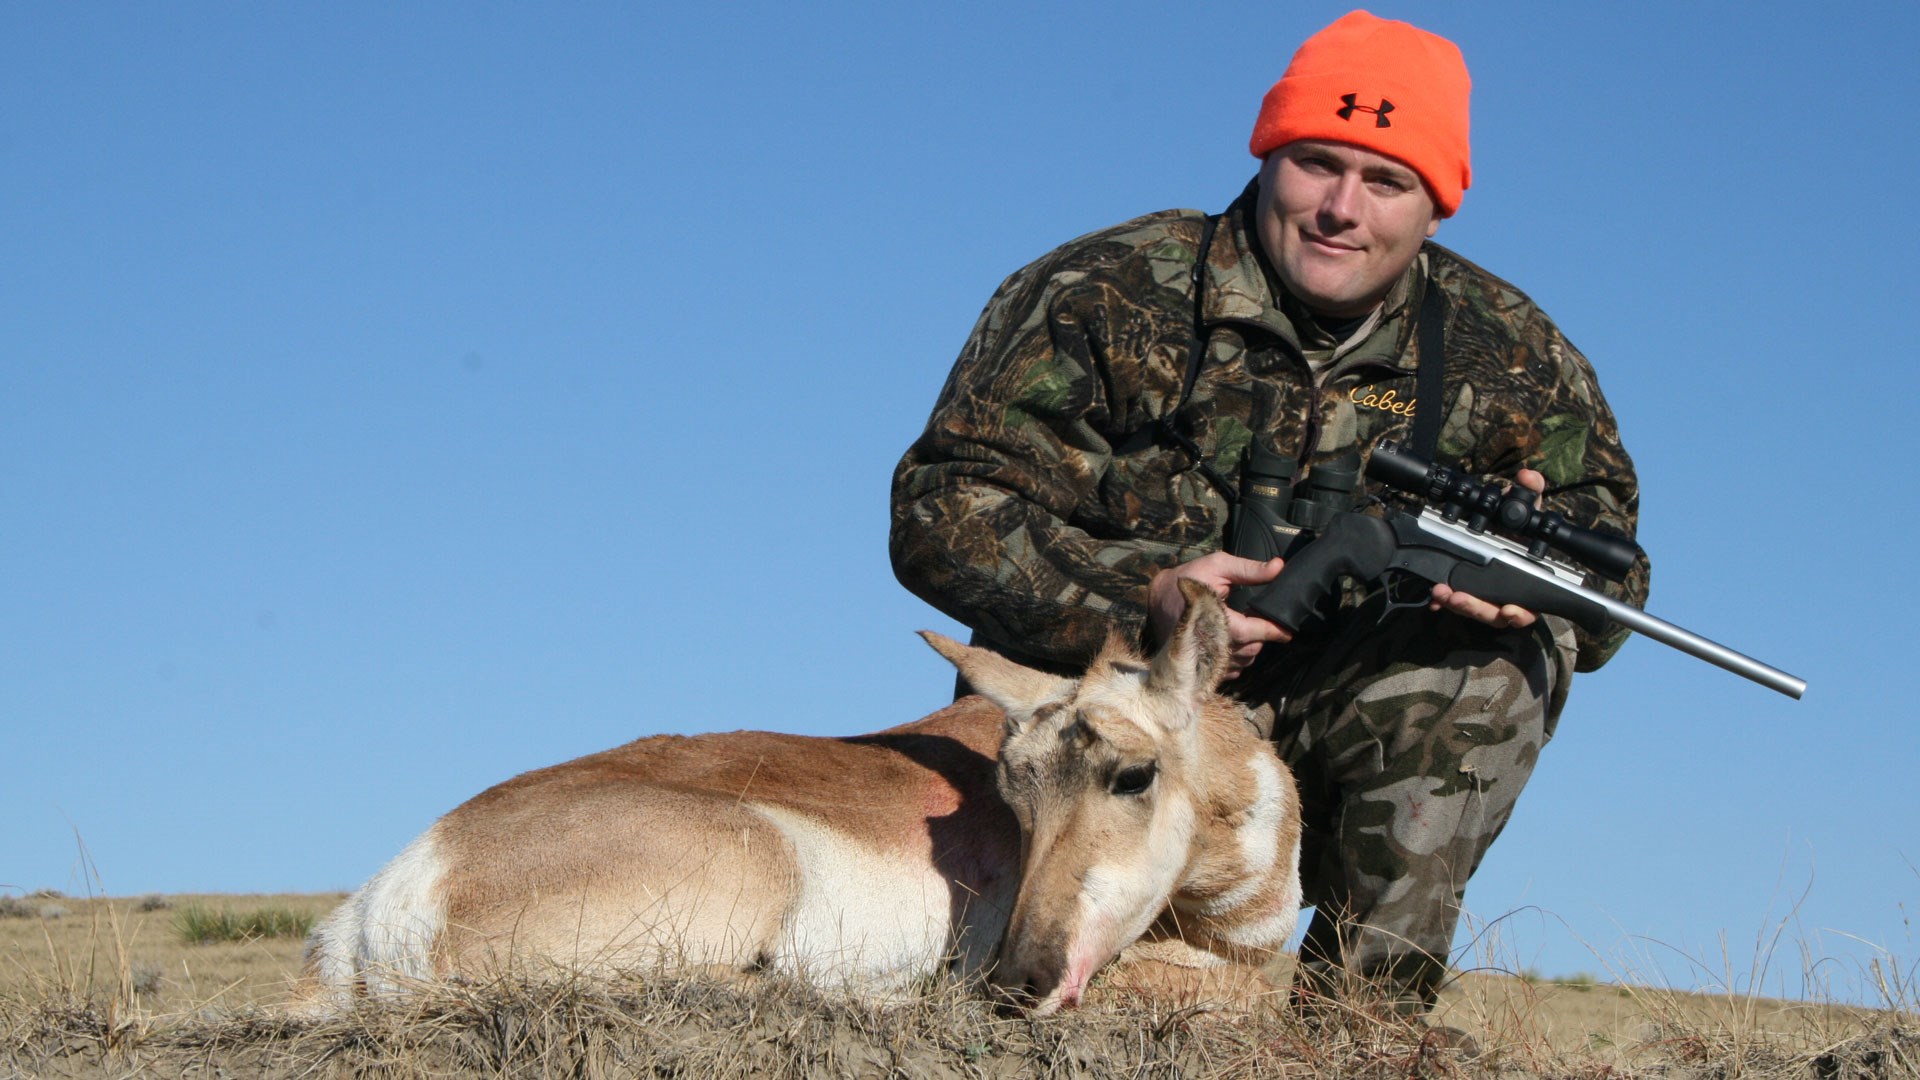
{"x":1133,"y":780}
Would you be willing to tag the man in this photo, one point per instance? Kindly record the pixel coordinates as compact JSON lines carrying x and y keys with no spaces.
{"x":1076,"y":464}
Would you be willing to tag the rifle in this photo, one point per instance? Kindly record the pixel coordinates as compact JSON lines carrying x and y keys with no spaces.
{"x":1448,"y":528}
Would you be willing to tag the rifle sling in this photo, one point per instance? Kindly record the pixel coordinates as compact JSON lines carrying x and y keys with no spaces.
{"x":1429,"y":391}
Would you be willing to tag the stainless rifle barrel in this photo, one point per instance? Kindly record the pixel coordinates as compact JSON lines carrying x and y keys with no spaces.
{"x":1711,"y":651}
{"x":1500,"y":549}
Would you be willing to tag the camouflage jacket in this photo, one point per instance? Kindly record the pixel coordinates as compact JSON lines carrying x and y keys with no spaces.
{"x":1033,"y":511}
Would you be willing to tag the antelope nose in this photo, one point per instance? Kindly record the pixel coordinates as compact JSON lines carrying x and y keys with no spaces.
{"x":1010,"y":999}
{"x":1017,"y":988}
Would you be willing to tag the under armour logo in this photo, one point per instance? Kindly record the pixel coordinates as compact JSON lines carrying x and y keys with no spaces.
{"x":1379,"y":114}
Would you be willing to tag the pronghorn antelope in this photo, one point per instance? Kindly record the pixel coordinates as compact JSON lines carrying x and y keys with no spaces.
{"x":1132,"y":807}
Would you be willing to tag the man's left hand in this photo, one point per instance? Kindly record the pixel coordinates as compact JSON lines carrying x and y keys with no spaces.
{"x":1447,"y":598}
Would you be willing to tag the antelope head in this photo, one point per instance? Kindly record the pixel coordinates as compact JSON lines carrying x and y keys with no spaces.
{"x":1107,"y":776}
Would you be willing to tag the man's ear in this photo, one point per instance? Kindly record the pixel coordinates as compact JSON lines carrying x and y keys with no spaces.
{"x":1019,"y":691}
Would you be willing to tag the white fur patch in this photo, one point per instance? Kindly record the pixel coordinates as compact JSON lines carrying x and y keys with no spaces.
{"x":1128,"y":697}
{"x":1273,"y":929}
{"x":861,"y":916}
{"x":1258,"y":837}
{"x":1123,"y":899}
{"x":384,"y":933}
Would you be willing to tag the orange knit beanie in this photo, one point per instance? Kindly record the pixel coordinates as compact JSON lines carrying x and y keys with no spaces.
{"x":1379,"y":84}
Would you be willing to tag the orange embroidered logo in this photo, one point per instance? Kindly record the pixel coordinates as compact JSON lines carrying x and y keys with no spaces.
{"x":1390,"y":401}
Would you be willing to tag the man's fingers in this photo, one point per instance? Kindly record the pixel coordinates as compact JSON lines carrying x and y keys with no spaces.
{"x":1516,"y":617}
{"x":1241,"y":657}
{"x":1472,"y":607}
{"x":1234,"y":570}
{"x":1251,"y":628}
{"x":1446,"y":598}
{"x":1220,"y":572}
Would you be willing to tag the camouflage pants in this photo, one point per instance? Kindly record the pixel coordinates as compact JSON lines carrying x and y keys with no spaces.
{"x":1411,"y":739}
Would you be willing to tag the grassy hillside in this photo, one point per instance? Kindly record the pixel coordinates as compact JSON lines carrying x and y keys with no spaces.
{"x":113,"y":988}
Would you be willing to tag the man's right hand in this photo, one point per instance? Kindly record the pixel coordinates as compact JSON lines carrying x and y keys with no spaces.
{"x":1219,"y":572}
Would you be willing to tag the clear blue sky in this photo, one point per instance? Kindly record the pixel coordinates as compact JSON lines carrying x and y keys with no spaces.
{"x":397,"y":397}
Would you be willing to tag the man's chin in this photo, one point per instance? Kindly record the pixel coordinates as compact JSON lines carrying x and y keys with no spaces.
{"x":1332,"y":295}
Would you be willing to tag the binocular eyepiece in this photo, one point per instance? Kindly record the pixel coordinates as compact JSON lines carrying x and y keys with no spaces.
{"x":1275,"y":515}
{"x":1509,"y":510}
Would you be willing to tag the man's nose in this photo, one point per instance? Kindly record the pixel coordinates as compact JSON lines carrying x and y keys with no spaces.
{"x":1341,"y":202}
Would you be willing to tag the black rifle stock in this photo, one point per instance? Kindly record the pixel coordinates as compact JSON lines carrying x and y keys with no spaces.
{"x":1439,"y":548}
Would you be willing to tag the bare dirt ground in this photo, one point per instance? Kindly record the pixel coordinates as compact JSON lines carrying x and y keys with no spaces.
{"x":99,"y":988}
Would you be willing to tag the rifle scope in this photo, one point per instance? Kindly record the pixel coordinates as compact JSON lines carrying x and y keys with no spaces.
{"x":1509,"y":510}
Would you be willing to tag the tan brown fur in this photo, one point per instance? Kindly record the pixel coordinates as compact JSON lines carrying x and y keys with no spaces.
{"x":555,"y":859}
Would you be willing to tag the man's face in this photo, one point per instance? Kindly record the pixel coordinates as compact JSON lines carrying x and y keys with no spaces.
{"x":1340,"y":223}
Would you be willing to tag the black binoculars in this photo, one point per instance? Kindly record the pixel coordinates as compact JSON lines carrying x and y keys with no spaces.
{"x":1276,"y":516}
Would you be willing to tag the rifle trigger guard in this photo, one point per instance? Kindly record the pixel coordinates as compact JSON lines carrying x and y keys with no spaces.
{"x":1404,"y":590}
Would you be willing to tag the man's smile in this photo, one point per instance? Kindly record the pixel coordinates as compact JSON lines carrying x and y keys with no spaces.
{"x":1327,"y":243}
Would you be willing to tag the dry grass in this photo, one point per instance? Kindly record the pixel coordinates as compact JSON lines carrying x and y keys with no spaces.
{"x":74,"y":1003}
{"x":96,"y":945}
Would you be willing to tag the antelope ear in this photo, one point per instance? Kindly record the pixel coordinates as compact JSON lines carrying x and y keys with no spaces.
{"x":1019,"y":691}
{"x":1194,"y":659}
